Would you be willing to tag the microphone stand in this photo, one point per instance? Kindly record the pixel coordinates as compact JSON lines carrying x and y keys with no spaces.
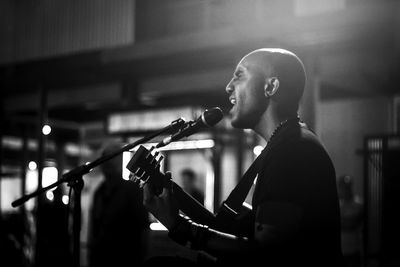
{"x":74,"y":179}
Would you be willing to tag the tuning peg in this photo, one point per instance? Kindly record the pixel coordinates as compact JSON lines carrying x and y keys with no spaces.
{"x":147,"y":179}
{"x":149,"y":152}
{"x":154,"y":158}
{"x":143,"y":182}
{"x":138,"y":174}
{"x":159,"y":161}
{"x":135,"y":180}
{"x":142,"y":175}
{"x":137,"y":171}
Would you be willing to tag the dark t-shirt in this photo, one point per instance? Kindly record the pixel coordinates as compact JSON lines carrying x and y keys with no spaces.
{"x":296,"y":191}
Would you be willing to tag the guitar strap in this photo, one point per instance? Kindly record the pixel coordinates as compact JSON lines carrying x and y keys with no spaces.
{"x":231,"y":206}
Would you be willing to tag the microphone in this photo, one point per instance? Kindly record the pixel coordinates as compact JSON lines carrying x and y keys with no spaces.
{"x":208,"y":119}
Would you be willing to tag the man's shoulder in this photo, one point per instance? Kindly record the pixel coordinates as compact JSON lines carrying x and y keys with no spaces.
{"x":302,"y":151}
{"x":298,"y":142}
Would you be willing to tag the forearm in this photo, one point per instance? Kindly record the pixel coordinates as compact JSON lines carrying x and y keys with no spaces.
{"x":201,"y":237}
{"x":219,"y":243}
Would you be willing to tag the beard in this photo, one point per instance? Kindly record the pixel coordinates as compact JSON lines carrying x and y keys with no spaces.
{"x":248,"y":118}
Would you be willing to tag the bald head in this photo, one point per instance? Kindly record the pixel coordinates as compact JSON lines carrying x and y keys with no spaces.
{"x":289,"y":71}
{"x":266,"y":84}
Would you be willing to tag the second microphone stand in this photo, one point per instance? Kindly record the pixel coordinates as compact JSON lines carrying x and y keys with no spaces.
{"x":74,"y":179}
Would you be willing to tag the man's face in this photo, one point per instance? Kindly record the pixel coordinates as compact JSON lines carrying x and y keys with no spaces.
{"x":246,"y":94}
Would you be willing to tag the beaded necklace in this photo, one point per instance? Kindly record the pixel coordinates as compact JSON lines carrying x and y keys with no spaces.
{"x":280,"y":126}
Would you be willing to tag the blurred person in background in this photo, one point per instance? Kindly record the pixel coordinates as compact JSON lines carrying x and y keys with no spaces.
{"x":295,"y":208}
{"x":190,"y":184}
{"x":118,"y":221}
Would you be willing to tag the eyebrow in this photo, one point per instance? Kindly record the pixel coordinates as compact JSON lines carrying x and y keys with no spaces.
{"x":239,"y":70}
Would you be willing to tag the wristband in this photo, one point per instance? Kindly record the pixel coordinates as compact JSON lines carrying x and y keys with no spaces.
{"x":180,"y":231}
{"x":185,"y":230}
{"x":199,"y":236}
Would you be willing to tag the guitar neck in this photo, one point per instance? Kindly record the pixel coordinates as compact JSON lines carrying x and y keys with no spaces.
{"x":145,"y":166}
{"x":191,"y":207}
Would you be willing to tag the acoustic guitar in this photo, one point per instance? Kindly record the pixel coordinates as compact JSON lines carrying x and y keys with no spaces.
{"x":145,"y":168}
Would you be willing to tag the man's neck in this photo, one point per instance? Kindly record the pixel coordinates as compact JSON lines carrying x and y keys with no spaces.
{"x":266,"y":126}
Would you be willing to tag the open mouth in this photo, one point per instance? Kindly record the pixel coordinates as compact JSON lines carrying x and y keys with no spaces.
{"x":232,"y":100}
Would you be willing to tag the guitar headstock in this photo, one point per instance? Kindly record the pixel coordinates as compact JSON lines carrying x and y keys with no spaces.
{"x":145,"y":167}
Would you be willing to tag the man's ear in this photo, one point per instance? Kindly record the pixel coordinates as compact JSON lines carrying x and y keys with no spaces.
{"x":271,"y":86}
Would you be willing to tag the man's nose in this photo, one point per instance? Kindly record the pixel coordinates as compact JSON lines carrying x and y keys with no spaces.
{"x":229,"y":88}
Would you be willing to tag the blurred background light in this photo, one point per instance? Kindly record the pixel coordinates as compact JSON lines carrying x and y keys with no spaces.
{"x":50,"y":176}
{"x":157,"y":226}
{"x":50,"y":195}
{"x":32,"y":165}
{"x":46,"y":130}
{"x":126,"y":156}
{"x":65,"y":199}
{"x":257,"y":150}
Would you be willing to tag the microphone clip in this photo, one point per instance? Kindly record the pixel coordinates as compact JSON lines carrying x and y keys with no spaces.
{"x":177,"y":124}
{"x":180,"y":128}
{"x":207,"y":119}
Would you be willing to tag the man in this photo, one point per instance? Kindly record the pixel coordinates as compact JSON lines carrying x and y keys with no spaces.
{"x":119,"y":222}
{"x":295,"y":204}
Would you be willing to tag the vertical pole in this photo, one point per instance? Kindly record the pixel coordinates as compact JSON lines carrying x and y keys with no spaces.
{"x":61,"y":162}
{"x":24,"y":162}
{"x":2,"y":123}
{"x":42,"y":113}
{"x":216,"y":162}
{"x":365,"y":235}
{"x":77,"y":218}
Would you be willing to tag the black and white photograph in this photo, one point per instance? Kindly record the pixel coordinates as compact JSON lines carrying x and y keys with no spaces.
{"x":200,"y":133}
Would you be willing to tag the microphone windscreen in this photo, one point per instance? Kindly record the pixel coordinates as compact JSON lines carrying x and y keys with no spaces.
{"x":212,"y":116}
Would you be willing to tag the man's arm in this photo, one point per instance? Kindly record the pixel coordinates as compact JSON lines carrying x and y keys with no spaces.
{"x":201,"y":237}
{"x":185,"y":231}
{"x":275,"y":224}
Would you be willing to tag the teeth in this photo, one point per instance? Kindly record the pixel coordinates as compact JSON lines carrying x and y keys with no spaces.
{"x":233,"y":101}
